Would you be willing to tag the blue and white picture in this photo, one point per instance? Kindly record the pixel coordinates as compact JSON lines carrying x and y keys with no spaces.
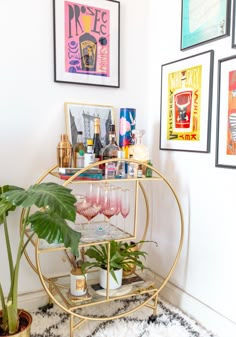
{"x":203,"y":21}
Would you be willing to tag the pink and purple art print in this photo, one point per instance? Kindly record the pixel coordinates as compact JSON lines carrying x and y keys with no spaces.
{"x":87,"y":39}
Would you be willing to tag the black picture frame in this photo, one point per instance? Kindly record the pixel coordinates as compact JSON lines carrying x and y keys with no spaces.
{"x":226,"y":113}
{"x":87,"y":42}
{"x":186,"y":103}
{"x":234,"y":25}
{"x":204,"y":21}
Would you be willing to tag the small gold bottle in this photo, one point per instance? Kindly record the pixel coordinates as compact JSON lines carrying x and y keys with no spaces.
{"x":64,"y":152}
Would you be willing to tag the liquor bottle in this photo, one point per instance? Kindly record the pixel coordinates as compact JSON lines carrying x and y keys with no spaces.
{"x":97,"y":144}
{"x":120,"y":168}
{"x":64,"y":152}
{"x":89,"y":156}
{"x":78,"y":151}
{"x":140,"y":150}
{"x":88,"y":46}
{"x":110,"y":151}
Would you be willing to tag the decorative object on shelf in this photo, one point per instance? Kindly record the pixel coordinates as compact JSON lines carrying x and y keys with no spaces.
{"x":87,"y":42}
{"x":186,"y":102}
{"x":204,"y":21}
{"x":54,"y":205}
{"x":126,"y":126}
{"x":78,"y":151}
{"x":78,"y":279}
{"x":234,"y":25}
{"x":226,"y":115}
{"x":80,"y":117}
{"x":64,"y":152}
{"x":120,"y":255}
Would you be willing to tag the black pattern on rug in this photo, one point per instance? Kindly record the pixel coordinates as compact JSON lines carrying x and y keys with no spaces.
{"x":55,"y":322}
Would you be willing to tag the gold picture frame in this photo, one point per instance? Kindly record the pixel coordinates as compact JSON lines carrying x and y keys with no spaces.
{"x":80,"y":117}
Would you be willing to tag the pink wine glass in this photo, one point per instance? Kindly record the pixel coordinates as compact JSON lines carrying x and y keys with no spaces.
{"x":125,"y":203}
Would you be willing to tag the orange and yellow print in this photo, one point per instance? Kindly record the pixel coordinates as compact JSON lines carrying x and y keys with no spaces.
{"x":231,"y":126}
{"x":184,"y":102}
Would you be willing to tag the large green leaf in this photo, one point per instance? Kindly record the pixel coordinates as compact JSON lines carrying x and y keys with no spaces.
{"x":5,"y":205}
{"x":53,"y":196}
{"x":51,"y":227}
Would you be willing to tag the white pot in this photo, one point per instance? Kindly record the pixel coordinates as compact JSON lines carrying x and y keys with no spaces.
{"x":112,"y":282}
{"x":78,"y":282}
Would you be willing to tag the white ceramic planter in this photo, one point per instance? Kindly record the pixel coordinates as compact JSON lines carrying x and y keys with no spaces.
{"x":112,"y":282}
{"x":78,"y":282}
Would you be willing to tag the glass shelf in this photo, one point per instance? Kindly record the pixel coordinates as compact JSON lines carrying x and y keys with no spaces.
{"x":95,"y":295}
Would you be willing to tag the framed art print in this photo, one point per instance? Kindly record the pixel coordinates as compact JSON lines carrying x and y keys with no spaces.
{"x":87,"y":42}
{"x":80,"y":117}
{"x":186,"y":99}
{"x":226,"y":116}
{"x":234,"y":25}
{"x":204,"y":21}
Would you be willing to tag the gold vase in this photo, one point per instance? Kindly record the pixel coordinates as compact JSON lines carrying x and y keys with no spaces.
{"x":24,"y":330}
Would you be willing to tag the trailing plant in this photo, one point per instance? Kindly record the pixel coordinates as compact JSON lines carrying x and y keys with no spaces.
{"x":53,"y":206}
{"x":121,"y":256}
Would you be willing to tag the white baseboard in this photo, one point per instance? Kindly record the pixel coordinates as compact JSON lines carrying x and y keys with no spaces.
{"x":31,"y":301}
{"x":200,"y":312}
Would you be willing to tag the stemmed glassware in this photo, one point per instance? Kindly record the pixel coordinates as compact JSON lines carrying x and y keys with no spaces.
{"x":125,"y":203}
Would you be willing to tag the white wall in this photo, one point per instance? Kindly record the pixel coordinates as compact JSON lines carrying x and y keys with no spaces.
{"x":32,"y":119}
{"x":207,"y":266}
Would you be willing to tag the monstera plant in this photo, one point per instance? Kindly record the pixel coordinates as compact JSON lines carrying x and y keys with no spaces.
{"x":46,"y":209}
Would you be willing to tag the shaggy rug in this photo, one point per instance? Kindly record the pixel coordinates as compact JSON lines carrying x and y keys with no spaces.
{"x":169,"y":322}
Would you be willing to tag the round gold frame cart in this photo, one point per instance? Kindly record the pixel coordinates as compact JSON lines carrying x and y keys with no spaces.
{"x":57,"y":288}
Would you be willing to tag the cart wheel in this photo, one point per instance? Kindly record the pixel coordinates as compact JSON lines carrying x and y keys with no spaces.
{"x":46,"y":307}
{"x":152,"y":319}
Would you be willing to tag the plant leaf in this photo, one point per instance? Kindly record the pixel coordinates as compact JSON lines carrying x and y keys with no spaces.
{"x":51,"y":227}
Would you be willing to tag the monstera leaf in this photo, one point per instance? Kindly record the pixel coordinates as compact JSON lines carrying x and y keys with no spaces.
{"x":55,"y":205}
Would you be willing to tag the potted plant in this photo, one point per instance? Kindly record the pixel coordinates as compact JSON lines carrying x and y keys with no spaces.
{"x":122,"y":257}
{"x":53,"y":205}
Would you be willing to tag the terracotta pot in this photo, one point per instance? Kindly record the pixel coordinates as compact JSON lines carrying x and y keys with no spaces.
{"x":25,"y":324}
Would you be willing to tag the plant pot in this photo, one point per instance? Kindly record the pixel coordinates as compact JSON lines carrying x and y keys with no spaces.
{"x":132,"y":267}
{"x":78,"y":282}
{"x":112,"y":282}
{"x":25,"y":324}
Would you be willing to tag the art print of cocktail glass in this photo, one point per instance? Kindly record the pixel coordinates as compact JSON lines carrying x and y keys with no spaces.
{"x":125,"y":203}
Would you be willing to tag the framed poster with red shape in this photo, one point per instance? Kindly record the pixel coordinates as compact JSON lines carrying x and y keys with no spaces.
{"x":87,"y":42}
{"x":186,"y":100}
{"x":226,"y":116}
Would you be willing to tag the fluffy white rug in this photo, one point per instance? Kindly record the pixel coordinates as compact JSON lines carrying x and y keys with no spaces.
{"x":169,"y":322}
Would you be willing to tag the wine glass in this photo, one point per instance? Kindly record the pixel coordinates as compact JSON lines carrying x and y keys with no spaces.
{"x":110,"y":202}
{"x":86,"y":206}
{"x":125,"y":203}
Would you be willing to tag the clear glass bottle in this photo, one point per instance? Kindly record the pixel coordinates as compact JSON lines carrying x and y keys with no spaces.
{"x":97,"y":144}
{"x":110,"y":151}
{"x":78,"y":151}
{"x":64,"y":152}
{"x":120,"y":168}
{"x":140,"y":150}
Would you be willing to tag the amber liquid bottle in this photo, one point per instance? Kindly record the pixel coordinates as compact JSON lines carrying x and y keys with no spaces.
{"x":78,"y":151}
{"x":88,"y":47}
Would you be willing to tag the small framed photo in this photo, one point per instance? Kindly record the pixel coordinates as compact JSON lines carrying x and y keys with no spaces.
{"x":80,"y":117}
{"x":204,"y":21}
{"x":186,"y":102}
{"x":234,"y":25}
{"x":87,"y":42}
{"x":226,"y":115}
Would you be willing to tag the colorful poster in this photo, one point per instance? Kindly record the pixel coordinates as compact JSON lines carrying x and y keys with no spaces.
{"x":184,"y":102}
{"x":87,"y":39}
{"x":231,"y":127}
